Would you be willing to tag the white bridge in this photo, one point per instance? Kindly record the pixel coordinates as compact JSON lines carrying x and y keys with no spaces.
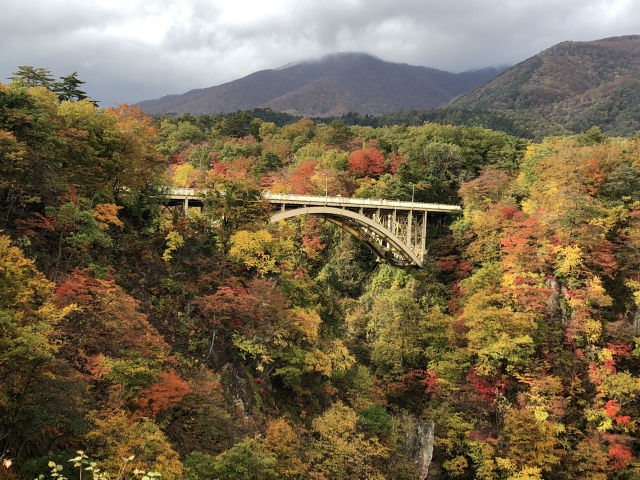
{"x":395,"y":231}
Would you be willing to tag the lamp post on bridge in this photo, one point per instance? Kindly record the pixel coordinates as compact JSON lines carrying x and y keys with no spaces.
{"x":326,"y":190}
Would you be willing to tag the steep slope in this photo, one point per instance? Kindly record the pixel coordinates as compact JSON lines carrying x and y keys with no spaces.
{"x":574,"y":84}
{"x":332,"y":85}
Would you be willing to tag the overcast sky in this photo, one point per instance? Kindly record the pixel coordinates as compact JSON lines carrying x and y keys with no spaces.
{"x":132,"y":50}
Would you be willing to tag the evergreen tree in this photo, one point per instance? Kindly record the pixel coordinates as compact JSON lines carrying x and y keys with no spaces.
{"x":33,"y":76}
{"x":68,"y":89}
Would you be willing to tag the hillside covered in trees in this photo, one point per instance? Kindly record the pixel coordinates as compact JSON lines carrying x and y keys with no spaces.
{"x":328,"y":86}
{"x":218,"y":346}
{"x":576,"y":85}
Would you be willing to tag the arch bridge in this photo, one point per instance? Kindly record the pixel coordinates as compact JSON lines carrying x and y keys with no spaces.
{"x":395,"y":231}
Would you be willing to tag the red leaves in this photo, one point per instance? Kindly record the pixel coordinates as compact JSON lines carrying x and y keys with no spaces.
{"x":612,"y":408}
{"x":447,"y":264}
{"x":623,"y":420}
{"x":602,"y":256}
{"x":311,"y":246}
{"x":594,"y":173}
{"x":300,"y":179}
{"x":431,"y":382}
{"x":396,"y":162}
{"x":367,"y":163}
{"x":250,"y":310}
{"x":526,"y":246}
{"x":508,"y":212}
{"x":486,"y":387}
{"x":619,"y":456}
{"x":621,"y":349}
{"x":162,"y":395}
{"x":108,"y":320}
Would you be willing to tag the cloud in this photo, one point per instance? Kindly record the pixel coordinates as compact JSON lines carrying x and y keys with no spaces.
{"x":130,"y":50}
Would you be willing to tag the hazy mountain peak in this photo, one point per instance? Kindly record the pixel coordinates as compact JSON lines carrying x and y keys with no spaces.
{"x":328,"y":85}
{"x":336,"y":56}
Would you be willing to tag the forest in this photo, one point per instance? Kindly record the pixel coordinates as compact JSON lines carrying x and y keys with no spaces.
{"x":137,"y":342}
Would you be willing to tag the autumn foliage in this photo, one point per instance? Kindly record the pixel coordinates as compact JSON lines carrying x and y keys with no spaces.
{"x":212,"y":344}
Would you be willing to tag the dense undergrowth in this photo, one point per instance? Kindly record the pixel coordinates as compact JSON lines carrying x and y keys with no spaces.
{"x":218,"y":346}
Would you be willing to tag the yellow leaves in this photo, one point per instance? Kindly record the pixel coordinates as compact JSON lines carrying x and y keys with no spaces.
{"x":107,"y":214}
{"x":118,"y":436}
{"x":592,"y":295}
{"x":599,"y":417}
{"x":263,"y":251}
{"x":255,"y":349}
{"x":456,"y":466}
{"x":253,"y":250}
{"x":10,"y":148}
{"x":544,"y":397}
{"x":527,"y":473}
{"x":532,"y":442}
{"x":634,"y":286}
{"x":307,"y":323}
{"x":77,"y":114}
{"x":335,"y":358}
{"x":25,"y":290}
{"x":529,"y":206}
{"x":497,"y":333}
{"x":540,"y":414}
{"x":182,"y":175}
{"x":569,"y":261}
{"x":505,"y":464}
{"x":174,"y":242}
{"x":282,"y":442}
{"x":339,"y":452}
{"x":592,"y":330}
{"x":613,"y":217}
{"x":268,"y":129}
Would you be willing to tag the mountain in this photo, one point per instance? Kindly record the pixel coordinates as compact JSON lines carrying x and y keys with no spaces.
{"x":575,"y":85}
{"x":332,"y":85}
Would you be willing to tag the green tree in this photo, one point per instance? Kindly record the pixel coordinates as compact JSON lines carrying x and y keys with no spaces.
{"x":68,"y":89}
{"x":34,"y":77}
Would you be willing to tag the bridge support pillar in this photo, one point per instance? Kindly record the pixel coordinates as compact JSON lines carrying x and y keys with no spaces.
{"x":409,"y":225}
{"x":423,"y":247}
{"x":394,"y":226}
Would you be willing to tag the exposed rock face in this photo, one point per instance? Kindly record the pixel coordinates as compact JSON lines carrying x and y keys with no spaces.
{"x":554,"y":311}
{"x":420,"y":445}
{"x":240,"y":390}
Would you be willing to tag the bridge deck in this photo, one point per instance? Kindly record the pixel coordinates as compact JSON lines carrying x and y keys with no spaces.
{"x":357,"y":202}
{"x":191,"y":194}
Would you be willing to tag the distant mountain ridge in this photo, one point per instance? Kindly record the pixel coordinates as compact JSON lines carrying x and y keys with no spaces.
{"x":575,"y":85}
{"x":330,"y":86}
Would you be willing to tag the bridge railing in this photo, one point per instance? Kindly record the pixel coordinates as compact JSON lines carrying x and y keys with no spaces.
{"x":333,"y":200}
{"x":185,"y":192}
{"x":376,"y":203}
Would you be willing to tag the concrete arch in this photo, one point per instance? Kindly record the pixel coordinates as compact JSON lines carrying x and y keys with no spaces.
{"x":345,"y":219}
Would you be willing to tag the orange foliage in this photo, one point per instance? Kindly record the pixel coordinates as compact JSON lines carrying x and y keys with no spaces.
{"x":619,"y":456}
{"x":300,"y":178}
{"x":108,"y":320}
{"x":107,"y":214}
{"x":490,"y":185}
{"x":367,"y":163}
{"x":162,"y":395}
